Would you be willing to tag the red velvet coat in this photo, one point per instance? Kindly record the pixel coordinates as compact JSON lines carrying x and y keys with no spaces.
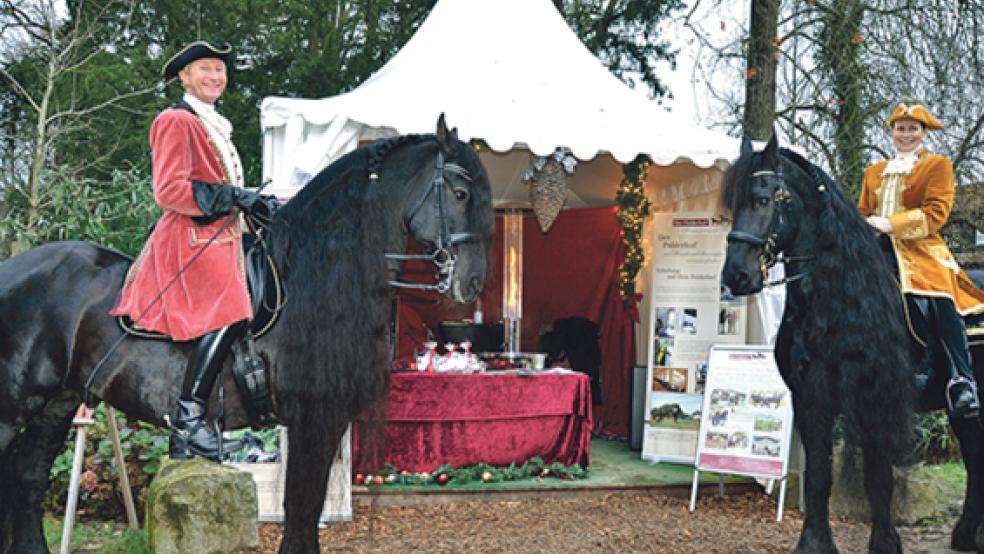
{"x":211,"y":293}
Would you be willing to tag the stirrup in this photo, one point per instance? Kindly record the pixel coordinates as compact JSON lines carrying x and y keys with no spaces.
{"x":974,"y":408}
{"x":192,"y":436}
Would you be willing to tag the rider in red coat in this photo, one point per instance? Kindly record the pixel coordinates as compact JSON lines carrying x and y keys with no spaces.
{"x":198,"y":182}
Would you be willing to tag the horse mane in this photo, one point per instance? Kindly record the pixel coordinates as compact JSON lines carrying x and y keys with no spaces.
{"x":328,"y":243}
{"x":853,"y":325}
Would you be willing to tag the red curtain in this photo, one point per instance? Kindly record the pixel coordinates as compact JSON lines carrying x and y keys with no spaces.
{"x":570,"y":271}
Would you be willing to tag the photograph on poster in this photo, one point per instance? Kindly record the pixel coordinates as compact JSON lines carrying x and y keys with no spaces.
{"x":716,"y":440}
{"x":700,"y":378}
{"x":767,"y":398}
{"x":738,"y":441}
{"x":719,"y":416}
{"x":673,"y":379}
{"x":766,"y":423}
{"x":728,"y":320}
{"x":688,"y":325}
{"x":674,"y":410}
{"x":727,"y":399}
{"x":765,"y":446}
{"x":666,"y":322}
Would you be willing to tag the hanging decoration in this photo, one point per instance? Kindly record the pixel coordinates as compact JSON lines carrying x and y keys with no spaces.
{"x":547,"y":177}
{"x":633,"y":208}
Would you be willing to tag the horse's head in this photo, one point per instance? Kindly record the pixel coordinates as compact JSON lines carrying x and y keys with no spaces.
{"x":449,"y":212}
{"x":761,"y":205}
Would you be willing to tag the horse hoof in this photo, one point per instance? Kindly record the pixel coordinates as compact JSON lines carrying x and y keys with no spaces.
{"x":963,"y":538}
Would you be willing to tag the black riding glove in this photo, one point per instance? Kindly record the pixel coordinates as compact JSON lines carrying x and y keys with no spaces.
{"x":216,"y":201}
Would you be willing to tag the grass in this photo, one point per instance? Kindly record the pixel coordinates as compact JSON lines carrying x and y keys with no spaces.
{"x":950,"y":476}
{"x":97,"y":537}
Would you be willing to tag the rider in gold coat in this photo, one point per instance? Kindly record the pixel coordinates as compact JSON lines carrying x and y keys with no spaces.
{"x":907,"y":199}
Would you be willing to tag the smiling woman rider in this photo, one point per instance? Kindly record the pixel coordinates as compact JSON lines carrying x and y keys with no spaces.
{"x":907,"y":199}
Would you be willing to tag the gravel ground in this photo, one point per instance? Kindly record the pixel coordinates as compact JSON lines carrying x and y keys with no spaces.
{"x":611,"y":523}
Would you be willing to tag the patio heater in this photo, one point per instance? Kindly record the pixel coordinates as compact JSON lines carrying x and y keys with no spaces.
{"x":512,"y":278}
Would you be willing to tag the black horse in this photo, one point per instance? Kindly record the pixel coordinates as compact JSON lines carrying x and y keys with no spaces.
{"x":843,"y":345}
{"x":328,"y":355}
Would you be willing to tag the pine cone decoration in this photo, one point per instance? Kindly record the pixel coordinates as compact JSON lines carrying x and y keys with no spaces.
{"x":548,"y":193}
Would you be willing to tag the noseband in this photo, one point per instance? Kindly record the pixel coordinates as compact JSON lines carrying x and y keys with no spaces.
{"x":770,"y":255}
{"x":443,"y":255}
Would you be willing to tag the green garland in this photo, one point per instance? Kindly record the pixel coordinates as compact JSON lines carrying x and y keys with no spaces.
{"x":633,"y":208}
{"x":534,"y":467}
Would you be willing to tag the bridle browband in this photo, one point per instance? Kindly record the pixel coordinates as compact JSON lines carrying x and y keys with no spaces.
{"x":443,"y":255}
{"x":769,"y":255}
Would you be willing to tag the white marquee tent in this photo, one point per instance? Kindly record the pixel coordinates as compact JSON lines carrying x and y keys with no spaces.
{"x":510,"y":72}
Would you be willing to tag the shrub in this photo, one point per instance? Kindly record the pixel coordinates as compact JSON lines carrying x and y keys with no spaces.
{"x":100,"y":495}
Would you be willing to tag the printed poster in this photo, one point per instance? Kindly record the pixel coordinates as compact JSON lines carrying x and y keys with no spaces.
{"x":746,"y":426}
{"x":691,"y":312}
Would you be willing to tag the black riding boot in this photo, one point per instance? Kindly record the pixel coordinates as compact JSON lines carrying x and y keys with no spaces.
{"x":961,"y":390}
{"x":190,"y":433}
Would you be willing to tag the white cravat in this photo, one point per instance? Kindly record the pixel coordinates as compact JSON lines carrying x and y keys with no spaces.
{"x":901,"y":164}
{"x":219,"y":129}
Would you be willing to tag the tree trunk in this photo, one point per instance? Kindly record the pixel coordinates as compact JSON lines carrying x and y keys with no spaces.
{"x":37,"y":164}
{"x":760,"y":77}
{"x":839,"y":50}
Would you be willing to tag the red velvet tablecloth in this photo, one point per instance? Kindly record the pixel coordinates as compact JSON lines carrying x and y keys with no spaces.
{"x":495,"y":418}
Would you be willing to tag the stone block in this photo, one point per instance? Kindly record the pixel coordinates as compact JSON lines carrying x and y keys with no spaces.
{"x":913,"y":498}
{"x":199,"y":506}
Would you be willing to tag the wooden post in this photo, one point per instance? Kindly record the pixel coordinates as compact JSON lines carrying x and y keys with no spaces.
{"x":114,"y":436}
{"x":83,"y":419}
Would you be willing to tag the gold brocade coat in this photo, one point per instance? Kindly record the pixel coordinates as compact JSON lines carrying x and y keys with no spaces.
{"x":918,"y":203}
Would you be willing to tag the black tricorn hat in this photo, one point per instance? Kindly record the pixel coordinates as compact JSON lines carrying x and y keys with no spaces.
{"x":196,"y":51}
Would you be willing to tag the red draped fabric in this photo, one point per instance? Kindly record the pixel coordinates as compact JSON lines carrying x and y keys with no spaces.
{"x":570,"y":271}
{"x":498,"y":419}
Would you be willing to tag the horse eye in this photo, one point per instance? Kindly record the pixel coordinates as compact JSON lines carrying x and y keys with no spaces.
{"x":461,"y":195}
{"x":764,"y":201}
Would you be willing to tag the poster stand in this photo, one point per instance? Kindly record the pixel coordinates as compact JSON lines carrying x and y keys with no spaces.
{"x":746,"y":422}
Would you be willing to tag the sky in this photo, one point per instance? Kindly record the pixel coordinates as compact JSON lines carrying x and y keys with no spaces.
{"x":718,"y":21}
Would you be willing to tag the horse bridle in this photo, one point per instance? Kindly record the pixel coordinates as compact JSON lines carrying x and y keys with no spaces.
{"x":443,"y":255}
{"x":769,"y":255}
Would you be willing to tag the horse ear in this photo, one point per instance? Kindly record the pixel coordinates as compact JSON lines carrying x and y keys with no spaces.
{"x":746,"y":147}
{"x":771,"y":153}
{"x":445,"y":137}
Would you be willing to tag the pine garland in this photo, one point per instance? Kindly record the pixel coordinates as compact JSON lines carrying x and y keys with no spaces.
{"x":534,"y":467}
{"x":633,"y":208}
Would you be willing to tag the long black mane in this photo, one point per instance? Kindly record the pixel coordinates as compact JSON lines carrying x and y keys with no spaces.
{"x":328,"y":238}
{"x":847,"y":316}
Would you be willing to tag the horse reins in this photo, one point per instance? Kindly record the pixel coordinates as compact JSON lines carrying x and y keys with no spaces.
{"x":769,"y":257}
{"x":443,"y":256}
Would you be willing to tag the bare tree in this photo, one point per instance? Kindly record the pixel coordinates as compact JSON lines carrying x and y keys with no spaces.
{"x":843,"y":64}
{"x":44,"y":58}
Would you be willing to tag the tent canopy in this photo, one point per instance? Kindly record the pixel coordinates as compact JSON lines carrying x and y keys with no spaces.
{"x":509,"y":72}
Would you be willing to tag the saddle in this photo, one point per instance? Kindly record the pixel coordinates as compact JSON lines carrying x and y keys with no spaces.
{"x":265,"y":291}
{"x":267,"y":295}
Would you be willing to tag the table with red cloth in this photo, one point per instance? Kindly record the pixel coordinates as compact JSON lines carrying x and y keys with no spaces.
{"x":496,"y":418}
